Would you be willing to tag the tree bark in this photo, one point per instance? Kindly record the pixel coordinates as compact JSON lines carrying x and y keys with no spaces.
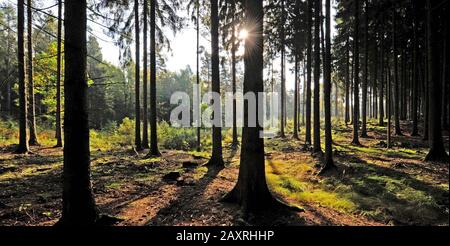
{"x":154,"y":150}
{"x":396,"y":101}
{"x":296,"y":97}
{"x":327,"y":91}
{"x":308,"y":75}
{"x":355,"y":140}
{"x":217,"y":156}
{"x":23,"y":107}
{"x":283,"y":73}
{"x":317,"y":23}
{"x":145,"y":78}
{"x":58,"y":131}
{"x":137,"y":85}
{"x":437,"y":150}
{"x":31,"y":111}
{"x":79,"y":207}
{"x":347,"y":83}
{"x":251,"y":191}
{"x":366,"y":72}
{"x":235,"y":141}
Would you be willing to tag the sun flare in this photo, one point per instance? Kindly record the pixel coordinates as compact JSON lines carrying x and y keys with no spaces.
{"x":243,"y":34}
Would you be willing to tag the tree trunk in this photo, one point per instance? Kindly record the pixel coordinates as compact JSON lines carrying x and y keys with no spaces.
{"x":23,"y":123}
{"x":327,"y":91}
{"x":217,"y":156}
{"x":382,"y":80}
{"x":437,"y":150}
{"x":145,"y":79}
{"x":137,"y":85}
{"x":389,"y":105}
{"x":199,"y":118}
{"x":308,"y":76}
{"x":296,"y":97}
{"x":251,"y":191}
{"x":347,"y":84}
{"x":356,"y":77}
{"x":154,"y":150}
{"x":317,"y":22}
{"x":415,"y":129}
{"x":283,"y":73}
{"x":235,"y":141}
{"x":366,"y":72}
{"x":58,"y":134}
{"x":396,"y":101}
{"x":31,"y":111}
{"x":78,"y":201}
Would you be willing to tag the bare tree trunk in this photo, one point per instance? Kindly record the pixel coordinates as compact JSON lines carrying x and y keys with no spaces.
{"x":31,"y":111}
{"x":79,"y":207}
{"x":356,"y":77}
{"x":296,"y":97}
{"x":396,"y":101}
{"x":137,"y":85}
{"x":317,"y":23}
{"x":58,"y":134}
{"x":235,"y":142}
{"x":154,"y":150}
{"x":145,"y":79}
{"x":347,"y":84}
{"x":327,"y":91}
{"x":366,"y":72}
{"x":283,"y":73}
{"x":23,"y":107}
{"x":251,"y":191}
{"x":308,"y":77}
{"x":437,"y":150}
{"x":199,"y":119}
{"x":217,"y":156}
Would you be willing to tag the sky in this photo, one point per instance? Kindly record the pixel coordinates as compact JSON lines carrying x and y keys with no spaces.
{"x":183,"y":45}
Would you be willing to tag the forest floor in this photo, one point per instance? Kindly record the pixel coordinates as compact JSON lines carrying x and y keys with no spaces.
{"x":372,"y":185}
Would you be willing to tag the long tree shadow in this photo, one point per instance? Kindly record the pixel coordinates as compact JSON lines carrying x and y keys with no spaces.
{"x":394,"y":195}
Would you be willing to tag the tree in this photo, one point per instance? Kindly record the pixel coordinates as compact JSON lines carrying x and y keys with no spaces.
{"x":137,"y":130}
{"x":217,"y":156}
{"x":366,"y":71}
{"x":317,"y":23}
{"x":23,"y":135}
{"x":251,"y":191}
{"x":58,"y":134}
{"x":355,"y":140}
{"x":283,"y":73}
{"x":437,"y":150}
{"x":78,"y":201}
{"x":308,"y":76}
{"x":327,"y":91}
{"x":145,"y":79}
{"x":31,"y":111}
{"x":398,"y":131}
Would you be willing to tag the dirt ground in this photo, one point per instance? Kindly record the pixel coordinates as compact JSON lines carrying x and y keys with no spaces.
{"x":140,"y":192}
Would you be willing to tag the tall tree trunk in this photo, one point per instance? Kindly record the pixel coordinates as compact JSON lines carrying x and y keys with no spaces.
{"x":283,"y":73}
{"x":317,"y":22}
{"x":296,"y":97}
{"x":382,"y":81}
{"x":154,"y":150}
{"x":137,"y":85}
{"x":217,"y":156}
{"x":347,"y":83}
{"x":23,"y":107}
{"x":366,"y":72}
{"x":396,"y":101}
{"x":336,"y":100}
{"x":251,"y":191}
{"x":308,"y":76}
{"x":235,"y":141}
{"x":437,"y":150}
{"x":199,"y":117}
{"x":31,"y":111}
{"x":356,"y":77}
{"x":58,"y":131}
{"x":78,"y":201}
{"x":145,"y":79}
{"x":389,"y":105}
{"x":327,"y":91}
{"x":415,"y":129}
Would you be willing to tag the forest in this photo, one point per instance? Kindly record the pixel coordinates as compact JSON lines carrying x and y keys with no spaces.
{"x":278,"y":113}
